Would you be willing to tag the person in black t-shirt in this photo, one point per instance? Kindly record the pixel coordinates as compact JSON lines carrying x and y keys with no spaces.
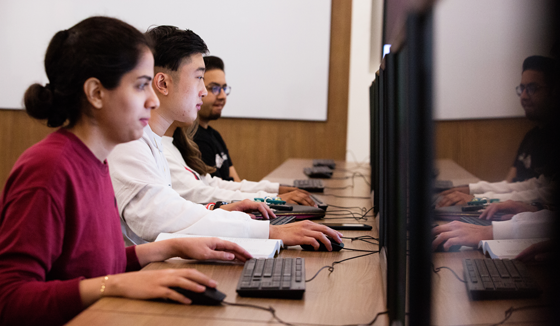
{"x":537,"y":150}
{"x":212,"y":146}
{"x":538,"y":153}
{"x":215,"y":153}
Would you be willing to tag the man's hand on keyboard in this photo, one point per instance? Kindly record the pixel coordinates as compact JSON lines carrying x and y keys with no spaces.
{"x":300,"y":197}
{"x":509,"y":206}
{"x":454,"y":198}
{"x":304,"y":232}
{"x":459,"y":233}
{"x":250,"y":206}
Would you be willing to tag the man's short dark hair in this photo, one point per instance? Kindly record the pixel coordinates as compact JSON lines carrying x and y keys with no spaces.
{"x":211,"y":62}
{"x":172,"y":45}
{"x":542,"y":64}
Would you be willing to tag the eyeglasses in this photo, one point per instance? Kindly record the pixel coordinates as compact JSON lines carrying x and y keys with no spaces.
{"x":531,"y":89}
{"x":216,"y":89}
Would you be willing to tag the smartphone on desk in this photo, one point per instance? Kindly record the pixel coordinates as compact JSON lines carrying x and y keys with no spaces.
{"x":348,"y":226}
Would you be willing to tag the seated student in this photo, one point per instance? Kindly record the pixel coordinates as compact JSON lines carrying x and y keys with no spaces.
{"x":533,"y":190}
{"x":140,"y":173}
{"x":61,"y":247}
{"x":213,"y":148}
{"x":193,"y":181}
{"x":537,"y":153}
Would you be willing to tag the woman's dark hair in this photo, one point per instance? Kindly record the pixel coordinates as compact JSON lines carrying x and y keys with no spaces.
{"x":212,"y":62}
{"x":183,"y":140}
{"x":101,"y":47}
{"x":172,"y":45}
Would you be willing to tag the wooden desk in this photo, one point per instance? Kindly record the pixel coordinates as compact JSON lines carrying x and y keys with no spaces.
{"x":351,"y":294}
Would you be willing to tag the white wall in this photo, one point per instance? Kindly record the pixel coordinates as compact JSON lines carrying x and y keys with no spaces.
{"x":479,"y":48}
{"x":365,"y":58}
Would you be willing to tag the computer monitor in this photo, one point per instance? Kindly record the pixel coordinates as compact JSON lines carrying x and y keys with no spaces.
{"x":402,"y":172}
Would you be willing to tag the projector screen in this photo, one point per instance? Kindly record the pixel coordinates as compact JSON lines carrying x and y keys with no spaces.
{"x":276,"y":53}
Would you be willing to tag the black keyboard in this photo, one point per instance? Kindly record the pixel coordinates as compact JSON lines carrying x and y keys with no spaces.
{"x":311,"y":185}
{"x":318,"y":172}
{"x":324,"y":162}
{"x":273,"y":278}
{"x":494,"y":279}
{"x":476,"y":221}
{"x":280,"y":220}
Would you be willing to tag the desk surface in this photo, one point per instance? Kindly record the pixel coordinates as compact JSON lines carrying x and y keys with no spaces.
{"x":351,"y":294}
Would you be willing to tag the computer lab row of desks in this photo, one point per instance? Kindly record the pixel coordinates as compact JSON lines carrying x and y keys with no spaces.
{"x":351,"y":294}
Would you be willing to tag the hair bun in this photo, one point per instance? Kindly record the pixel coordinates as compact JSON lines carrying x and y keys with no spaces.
{"x":38,"y":101}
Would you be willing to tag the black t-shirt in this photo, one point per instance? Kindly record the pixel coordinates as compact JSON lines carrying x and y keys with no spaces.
{"x":214,"y":151}
{"x":536,"y":154}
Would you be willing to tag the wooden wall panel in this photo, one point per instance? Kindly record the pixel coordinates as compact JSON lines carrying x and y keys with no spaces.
{"x":486,"y":148}
{"x":18,"y":132}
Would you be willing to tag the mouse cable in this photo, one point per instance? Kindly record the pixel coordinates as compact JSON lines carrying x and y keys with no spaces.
{"x":437,"y":270}
{"x":331,"y":267}
{"x":345,"y":187}
{"x":373,"y":321}
{"x":362,"y":209}
{"x":511,"y":310}
{"x":363,"y":238}
{"x":357,"y":216}
{"x":269,"y":309}
{"x":356,"y":197}
{"x":273,"y":313}
{"x":353,"y":176}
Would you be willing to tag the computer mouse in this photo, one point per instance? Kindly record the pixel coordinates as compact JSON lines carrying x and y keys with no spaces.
{"x":453,"y":248}
{"x":335,"y":246}
{"x":210,"y":296}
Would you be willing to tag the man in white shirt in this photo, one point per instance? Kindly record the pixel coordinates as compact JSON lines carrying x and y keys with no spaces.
{"x":140,"y":173}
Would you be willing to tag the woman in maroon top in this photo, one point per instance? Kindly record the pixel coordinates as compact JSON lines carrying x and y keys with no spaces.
{"x":61,"y":247}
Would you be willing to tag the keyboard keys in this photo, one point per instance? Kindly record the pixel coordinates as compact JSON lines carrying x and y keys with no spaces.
{"x":500,"y":278}
{"x":281,"y":220}
{"x":273,"y":278}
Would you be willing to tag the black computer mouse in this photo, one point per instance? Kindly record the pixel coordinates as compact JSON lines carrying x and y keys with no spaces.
{"x":335,"y":246}
{"x":210,"y":296}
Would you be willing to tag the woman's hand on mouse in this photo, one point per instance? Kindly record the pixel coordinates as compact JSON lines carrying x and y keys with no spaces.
{"x":304,"y":232}
{"x":151,"y":284}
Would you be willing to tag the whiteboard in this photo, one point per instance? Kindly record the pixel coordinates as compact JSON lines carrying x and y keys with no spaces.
{"x":479,"y":48}
{"x":276,"y":53}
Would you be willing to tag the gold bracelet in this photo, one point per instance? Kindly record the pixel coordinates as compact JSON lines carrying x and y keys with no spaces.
{"x":102,"y":290}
